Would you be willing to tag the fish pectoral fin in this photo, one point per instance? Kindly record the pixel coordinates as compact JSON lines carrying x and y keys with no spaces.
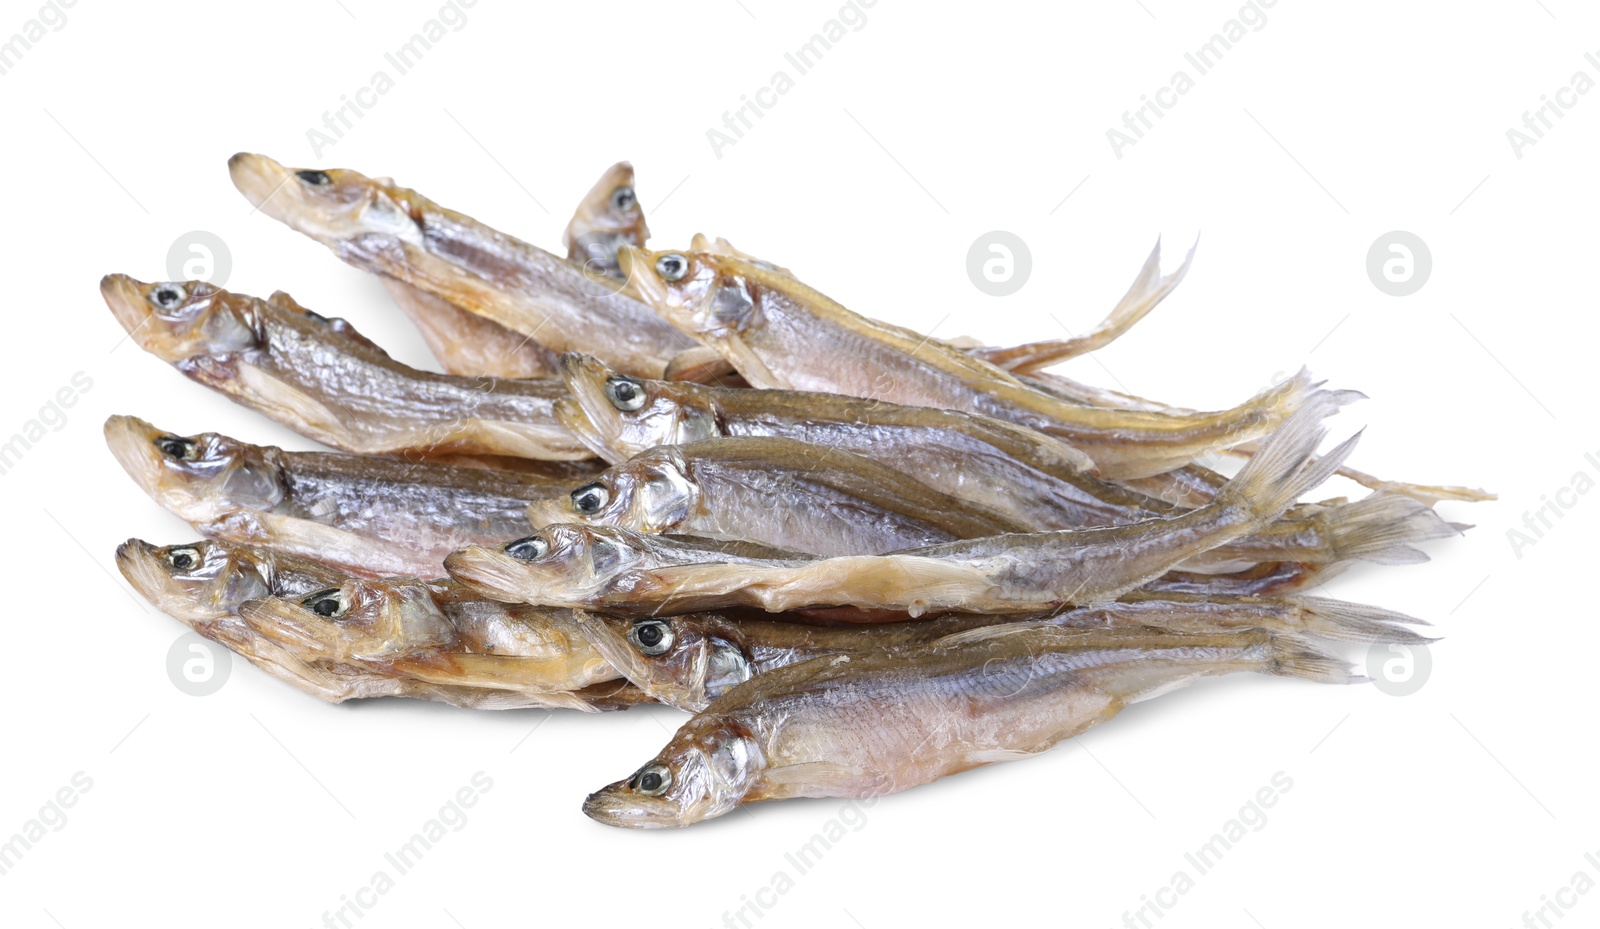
{"x":997,"y":755}
{"x":814,"y":779}
{"x":703,"y":364}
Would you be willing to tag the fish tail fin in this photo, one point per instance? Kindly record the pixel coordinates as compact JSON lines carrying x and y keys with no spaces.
{"x":1149,"y":288}
{"x":1381,"y":527}
{"x":1285,"y":398}
{"x":1292,"y":656}
{"x":1342,"y":621}
{"x":1287,"y":464}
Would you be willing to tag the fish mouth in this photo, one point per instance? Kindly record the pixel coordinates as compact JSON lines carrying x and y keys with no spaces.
{"x":125,"y":297}
{"x":277,"y":622}
{"x":260,"y":179}
{"x":550,"y":511}
{"x":639,"y":279}
{"x":142,"y":568}
{"x":192,"y":603}
{"x":617,"y":805}
{"x":587,"y":413}
{"x":342,"y":206}
{"x":495,"y":575}
{"x":132,"y":443}
{"x":608,"y":635}
{"x":574,"y":417}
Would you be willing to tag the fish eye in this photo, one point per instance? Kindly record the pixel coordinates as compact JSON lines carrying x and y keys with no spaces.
{"x":672,"y":266}
{"x":329,"y":604}
{"x":652,"y":780}
{"x":314,"y":178}
{"x":590,"y":498}
{"x":178,"y":449}
{"x":531,"y":548}
{"x":623,"y":199}
{"x":651,"y":637}
{"x":167,"y":296}
{"x":183,"y":559}
{"x":625,"y":393}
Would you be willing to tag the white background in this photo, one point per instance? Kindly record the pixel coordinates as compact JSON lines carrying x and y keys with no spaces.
{"x":1462,"y":805}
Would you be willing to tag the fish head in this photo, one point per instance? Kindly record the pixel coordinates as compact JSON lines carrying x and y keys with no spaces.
{"x":701,"y":293}
{"x":196,"y":582}
{"x":620,"y":416}
{"x":182,"y":320}
{"x":331,"y":205}
{"x":608,"y":218}
{"x":707,"y":770}
{"x":202,"y":478}
{"x":358,"y":620}
{"x":686,"y":661}
{"x":650,"y":493}
{"x":560,"y":565}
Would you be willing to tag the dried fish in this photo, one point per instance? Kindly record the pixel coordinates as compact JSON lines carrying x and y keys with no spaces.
{"x":779,"y":492}
{"x":866,"y":726}
{"x":691,"y":659}
{"x":608,"y":218}
{"x":1002,"y":574}
{"x":340,"y":638}
{"x":326,"y":381}
{"x":1029,"y":477}
{"x":371,"y":515}
{"x":390,"y":230}
{"x":779,"y":333}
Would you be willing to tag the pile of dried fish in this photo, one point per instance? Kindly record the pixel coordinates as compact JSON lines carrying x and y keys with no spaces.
{"x":922,"y":556}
